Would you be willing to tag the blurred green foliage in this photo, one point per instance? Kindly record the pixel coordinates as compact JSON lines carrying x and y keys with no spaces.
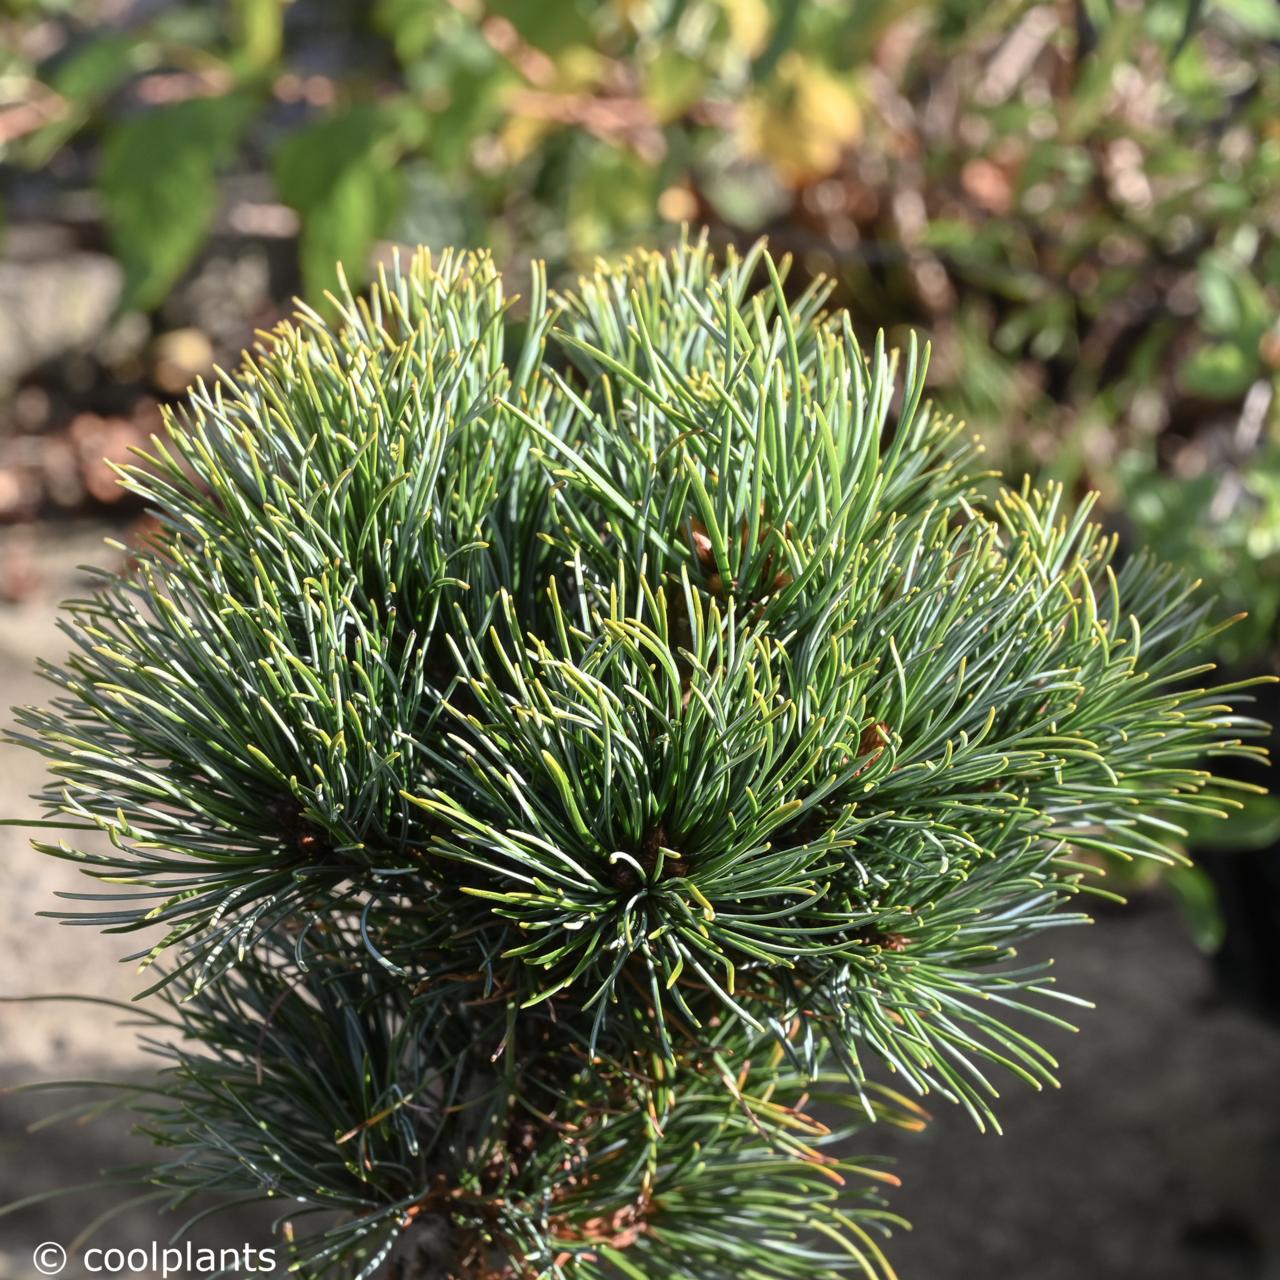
{"x":1081,"y":203}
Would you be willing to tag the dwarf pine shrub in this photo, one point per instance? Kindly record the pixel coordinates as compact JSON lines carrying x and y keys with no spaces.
{"x":577,"y":758}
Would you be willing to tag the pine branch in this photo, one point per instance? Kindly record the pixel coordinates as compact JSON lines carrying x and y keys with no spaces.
{"x":557,"y":755}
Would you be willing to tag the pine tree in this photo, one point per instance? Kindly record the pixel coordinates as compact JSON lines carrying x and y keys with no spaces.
{"x":580,"y":755}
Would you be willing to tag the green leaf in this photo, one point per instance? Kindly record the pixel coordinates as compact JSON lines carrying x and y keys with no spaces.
{"x":1232,"y":300}
{"x":552,"y":25}
{"x":1200,"y":906}
{"x":259,"y":33}
{"x":673,"y":82}
{"x":96,"y":69}
{"x":83,"y":79}
{"x":339,"y":175}
{"x":1220,"y":371}
{"x":411,"y":27}
{"x":159,"y":188}
{"x":1218,"y":297}
{"x":1256,"y":826}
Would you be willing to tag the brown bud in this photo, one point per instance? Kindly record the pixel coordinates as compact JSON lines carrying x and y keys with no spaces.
{"x":871,"y":744}
{"x":701,"y":543}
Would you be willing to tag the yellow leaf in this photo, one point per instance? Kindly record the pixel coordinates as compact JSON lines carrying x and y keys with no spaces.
{"x":749,"y":23}
{"x":802,"y":120}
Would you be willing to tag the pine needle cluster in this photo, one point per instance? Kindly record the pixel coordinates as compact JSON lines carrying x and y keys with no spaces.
{"x":578,"y":755}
